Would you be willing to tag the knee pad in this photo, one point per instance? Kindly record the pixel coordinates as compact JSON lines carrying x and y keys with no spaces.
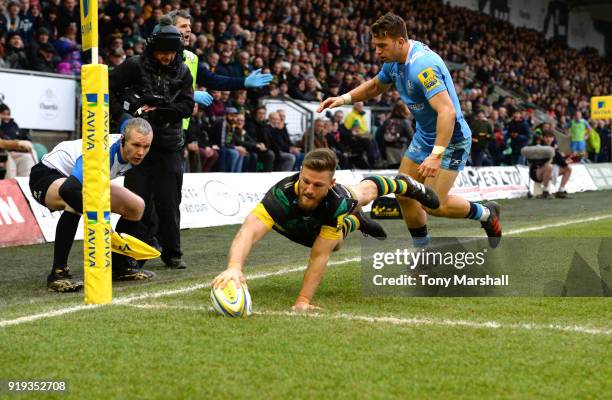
{"x":71,"y":191}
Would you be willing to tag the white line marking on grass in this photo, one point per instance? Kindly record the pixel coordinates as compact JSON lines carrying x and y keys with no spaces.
{"x":558,"y":224}
{"x":48,"y":314}
{"x":161,"y":293}
{"x":416,"y":321}
{"x":154,"y":295}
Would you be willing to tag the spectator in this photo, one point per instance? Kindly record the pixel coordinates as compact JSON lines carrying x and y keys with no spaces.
{"x":3,"y":63}
{"x":69,"y":51}
{"x":606,"y":140}
{"x":12,"y":20}
{"x":360,"y":140}
{"x":281,"y":144}
{"x":230,"y":158}
{"x":395,"y":135}
{"x":334,"y":142}
{"x":246,"y":146}
{"x":320,"y":135}
{"x":512,"y":151}
{"x":18,"y":163}
{"x":42,"y":37}
{"x":115,"y":57}
{"x":198,"y":133}
{"x":244,"y":67}
{"x":543,"y":171}
{"x":217,"y":109}
{"x":482,"y":133}
{"x":579,"y":130}
{"x":68,"y":14}
{"x":518,"y":137}
{"x":14,"y":52}
{"x":44,"y":60}
{"x":256,"y":127}
{"x":593,"y":145}
{"x":226,"y":66}
{"x":295,"y":150}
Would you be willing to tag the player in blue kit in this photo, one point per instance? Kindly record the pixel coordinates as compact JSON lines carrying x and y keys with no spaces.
{"x":442,"y":141}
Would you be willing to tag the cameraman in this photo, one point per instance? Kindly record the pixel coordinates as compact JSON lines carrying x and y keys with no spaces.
{"x":157,"y":86}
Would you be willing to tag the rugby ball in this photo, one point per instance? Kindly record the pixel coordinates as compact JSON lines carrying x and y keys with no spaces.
{"x":231,"y":301}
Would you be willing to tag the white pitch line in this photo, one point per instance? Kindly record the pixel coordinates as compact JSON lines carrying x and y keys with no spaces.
{"x":154,"y":295}
{"x":48,"y":314}
{"x":556,"y":225}
{"x":128,"y":299}
{"x":414,"y":321}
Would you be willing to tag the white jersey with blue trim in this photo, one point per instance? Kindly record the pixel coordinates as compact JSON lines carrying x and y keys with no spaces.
{"x":421,"y":77}
{"x":67,"y":158}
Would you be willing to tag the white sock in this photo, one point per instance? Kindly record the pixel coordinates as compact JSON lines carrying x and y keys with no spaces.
{"x":561,"y":189}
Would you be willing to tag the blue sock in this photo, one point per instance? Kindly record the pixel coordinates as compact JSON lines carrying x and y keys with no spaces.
{"x":420,"y":236}
{"x":476,"y":210}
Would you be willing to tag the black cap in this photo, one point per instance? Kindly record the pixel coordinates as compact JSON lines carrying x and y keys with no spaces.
{"x":43,"y":31}
{"x":166,"y":37}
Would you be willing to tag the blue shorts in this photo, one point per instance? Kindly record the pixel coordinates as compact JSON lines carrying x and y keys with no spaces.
{"x":453,"y":159}
{"x":578,"y":147}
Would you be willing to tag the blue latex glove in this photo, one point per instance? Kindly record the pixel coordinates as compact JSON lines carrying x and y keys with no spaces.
{"x":203,"y":98}
{"x":257,"y":79}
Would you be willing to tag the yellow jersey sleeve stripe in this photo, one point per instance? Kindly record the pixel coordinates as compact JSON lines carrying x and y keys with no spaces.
{"x":262,"y":214}
{"x":329,"y":232}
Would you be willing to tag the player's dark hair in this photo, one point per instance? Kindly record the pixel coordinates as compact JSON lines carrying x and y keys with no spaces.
{"x":391,"y":26}
{"x":321,"y":160}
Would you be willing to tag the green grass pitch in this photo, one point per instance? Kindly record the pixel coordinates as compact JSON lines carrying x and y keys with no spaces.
{"x":160,"y":340}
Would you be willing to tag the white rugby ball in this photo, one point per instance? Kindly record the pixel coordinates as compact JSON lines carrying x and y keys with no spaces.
{"x":231,"y":301}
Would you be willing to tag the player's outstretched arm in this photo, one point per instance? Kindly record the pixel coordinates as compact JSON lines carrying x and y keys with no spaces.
{"x":251,"y":232}
{"x":367,"y":90}
{"x":319,"y":255}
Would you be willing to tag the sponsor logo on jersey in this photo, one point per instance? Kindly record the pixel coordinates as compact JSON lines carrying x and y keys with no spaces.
{"x":416,"y":106}
{"x":429,"y":79}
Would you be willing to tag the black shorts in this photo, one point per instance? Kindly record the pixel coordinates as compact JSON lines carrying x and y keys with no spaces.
{"x":41,"y":177}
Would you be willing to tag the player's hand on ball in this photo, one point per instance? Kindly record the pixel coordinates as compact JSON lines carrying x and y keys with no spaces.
{"x":430,"y":166}
{"x":230,"y":274}
{"x":331,"y":102}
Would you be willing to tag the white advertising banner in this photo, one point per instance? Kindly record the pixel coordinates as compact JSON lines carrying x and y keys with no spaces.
{"x":40,"y":102}
{"x":213,"y":199}
{"x":490,"y":183}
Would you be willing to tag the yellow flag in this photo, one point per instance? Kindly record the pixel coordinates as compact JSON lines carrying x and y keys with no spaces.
{"x":89,"y":23}
{"x":96,"y":185}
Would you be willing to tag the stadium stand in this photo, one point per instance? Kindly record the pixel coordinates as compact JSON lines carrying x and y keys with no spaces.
{"x":321,"y":48}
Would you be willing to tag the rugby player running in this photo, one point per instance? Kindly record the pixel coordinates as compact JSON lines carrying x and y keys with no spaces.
{"x":442,"y":141}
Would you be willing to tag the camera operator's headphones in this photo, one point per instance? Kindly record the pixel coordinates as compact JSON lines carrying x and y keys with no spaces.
{"x":165,"y":37}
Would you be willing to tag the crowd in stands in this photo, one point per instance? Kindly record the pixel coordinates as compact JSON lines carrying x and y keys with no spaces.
{"x":321,"y":48}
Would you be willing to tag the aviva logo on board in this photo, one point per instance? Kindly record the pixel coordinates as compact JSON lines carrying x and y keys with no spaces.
{"x":601,"y":107}
{"x":92,"y":217}
{"x":92,"y":99}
